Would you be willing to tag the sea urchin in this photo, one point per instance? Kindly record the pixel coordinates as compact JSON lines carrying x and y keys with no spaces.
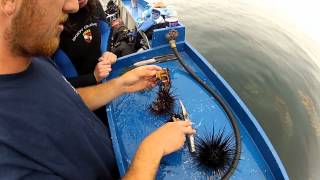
{"x":215,"y":152}
{"x":164,"y":102}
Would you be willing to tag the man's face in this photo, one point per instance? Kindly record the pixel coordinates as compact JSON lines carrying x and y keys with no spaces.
{"x":82,"y":3}
{"x":36,"y":27}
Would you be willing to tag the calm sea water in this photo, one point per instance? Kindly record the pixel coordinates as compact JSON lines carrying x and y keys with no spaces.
{"x":272,"y":64}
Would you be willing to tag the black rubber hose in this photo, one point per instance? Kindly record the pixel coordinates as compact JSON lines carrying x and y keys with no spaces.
{"x":225,"y":107}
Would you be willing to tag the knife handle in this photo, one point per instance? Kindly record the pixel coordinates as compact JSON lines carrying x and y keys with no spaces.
{"x":191,"y":143}
{"x":145,"y":62}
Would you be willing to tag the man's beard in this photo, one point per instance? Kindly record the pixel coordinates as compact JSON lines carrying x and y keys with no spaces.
{"x":26,"y":38}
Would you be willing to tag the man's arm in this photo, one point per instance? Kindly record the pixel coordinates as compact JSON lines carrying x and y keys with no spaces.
{"x":132,"y":81}
{"x":98,"y":95}
{"x":165,"y":140}
{"x":82,"y":81}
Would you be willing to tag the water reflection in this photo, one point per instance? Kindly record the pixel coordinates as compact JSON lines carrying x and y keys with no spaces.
{"x":271,"y":64}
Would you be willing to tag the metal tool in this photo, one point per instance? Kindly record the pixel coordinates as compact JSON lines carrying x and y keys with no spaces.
{"x":190,"y":138}
{"x":157,"y":59}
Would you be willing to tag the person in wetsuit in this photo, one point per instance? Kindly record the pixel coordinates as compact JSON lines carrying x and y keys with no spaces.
{"x":81,"y":41}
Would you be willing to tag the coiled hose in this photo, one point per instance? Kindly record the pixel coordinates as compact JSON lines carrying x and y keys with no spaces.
{"x":171,"y":37}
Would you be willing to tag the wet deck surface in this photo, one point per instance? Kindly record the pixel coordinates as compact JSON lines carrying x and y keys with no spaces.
{"x":131,"y":121}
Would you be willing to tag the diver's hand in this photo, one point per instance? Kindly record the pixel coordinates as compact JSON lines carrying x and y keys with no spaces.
{"x":170,"y":137}
{"x":139,"y":78}
{"x":103,"y":67}
{"x":109,"y":57}
{"x":102,"y":70}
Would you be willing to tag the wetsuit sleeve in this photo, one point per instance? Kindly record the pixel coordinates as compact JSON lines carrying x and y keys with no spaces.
{"x":15,"y":165}
{"x":82,"y":81}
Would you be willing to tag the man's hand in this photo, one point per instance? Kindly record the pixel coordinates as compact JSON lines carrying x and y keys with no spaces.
{"x":165,"y":140}
{"x":103,"y":68}
{"x":171,"y":136}
{"x":139,"y":78}
{"x":132,"y":81}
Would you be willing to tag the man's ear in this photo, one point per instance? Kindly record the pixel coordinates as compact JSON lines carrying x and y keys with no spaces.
{"x":8,"y":7}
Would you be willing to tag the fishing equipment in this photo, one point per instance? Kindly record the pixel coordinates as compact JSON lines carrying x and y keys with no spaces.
{"x":171,"y":37}
{"x":190,"y":138}
{"x":122,"y":39}
{"x":156,"y":59}
{"x":112,"y":12}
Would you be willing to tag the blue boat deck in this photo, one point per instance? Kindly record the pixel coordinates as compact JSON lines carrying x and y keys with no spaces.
{"x":130,"y":121}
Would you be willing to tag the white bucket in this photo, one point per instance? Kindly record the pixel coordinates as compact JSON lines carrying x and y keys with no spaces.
{"x":172,"y":21}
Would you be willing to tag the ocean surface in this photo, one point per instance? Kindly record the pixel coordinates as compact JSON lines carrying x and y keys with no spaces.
{"x":269,"y":53}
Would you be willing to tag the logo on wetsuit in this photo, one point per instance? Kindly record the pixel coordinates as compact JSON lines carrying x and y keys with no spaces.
{"x":87,"y":35}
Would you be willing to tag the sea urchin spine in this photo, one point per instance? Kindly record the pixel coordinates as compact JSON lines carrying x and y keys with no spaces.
{"x":164,"y":102}
{"x":215,"y":152}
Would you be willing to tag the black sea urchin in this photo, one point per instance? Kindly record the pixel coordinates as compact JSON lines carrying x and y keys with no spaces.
{"x":164,"y":102}
{"x":215,"y":152}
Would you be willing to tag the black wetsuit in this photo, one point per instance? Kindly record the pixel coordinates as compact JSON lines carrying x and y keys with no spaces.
{"x":47,"y":132}
{"x":82,"y":45}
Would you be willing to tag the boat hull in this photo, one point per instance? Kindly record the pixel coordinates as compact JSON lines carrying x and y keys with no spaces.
{"x":130,"y":118}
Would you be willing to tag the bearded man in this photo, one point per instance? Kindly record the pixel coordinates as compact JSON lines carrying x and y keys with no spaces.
{"x":47,"y":130}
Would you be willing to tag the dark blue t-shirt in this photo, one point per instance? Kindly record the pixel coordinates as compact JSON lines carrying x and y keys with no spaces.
{"x":47,"y":132}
